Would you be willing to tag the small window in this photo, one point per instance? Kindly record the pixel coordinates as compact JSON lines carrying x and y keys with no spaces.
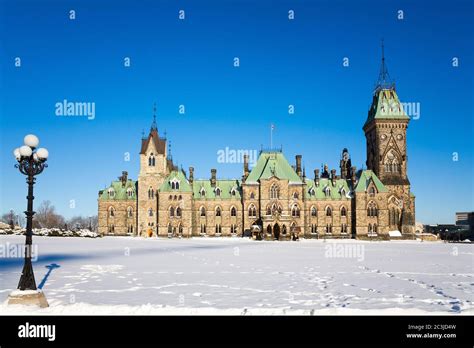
{"x":130,"y":212}
{"x":171,"y":211}
{"x":252,"y":195}
{"x":202,"y":192}
{"x":111,"y":193}
{"x":203,"y":211}
{"x":233,"y":211}
{"x":343,"y":211}
{"x":314,"y":212}
{"x":295,"y":195}
{"x":178,"y":212}
{"x":150,"y":212}
{"x":218,"y":211}
{"x":328,"y":211}
{"x":130,"y":192}
{"x":218,"y":192}
{"x":111,"y":212}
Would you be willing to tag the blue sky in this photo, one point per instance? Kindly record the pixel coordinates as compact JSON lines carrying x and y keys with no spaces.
{"x":190,"y":62}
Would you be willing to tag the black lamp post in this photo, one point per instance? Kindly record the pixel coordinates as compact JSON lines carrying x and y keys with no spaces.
{"x":31,"y":162}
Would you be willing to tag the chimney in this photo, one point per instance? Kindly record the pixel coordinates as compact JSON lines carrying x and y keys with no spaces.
{"x":246,"y":166}
{"x":298,"y":165}
{"x":213,"y":177}
{"x":191,"y":175}
{"x":353,"y":176}
{"x":123,"y":178}
{"x":333,"y":177}
{"x":316,"y":177}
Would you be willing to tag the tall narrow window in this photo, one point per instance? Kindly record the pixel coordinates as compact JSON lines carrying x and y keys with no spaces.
{"x":274,"y":192}
{"x":218,"y":211}
{"x":233,"y":211}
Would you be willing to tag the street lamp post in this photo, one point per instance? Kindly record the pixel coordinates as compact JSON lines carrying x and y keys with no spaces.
{"x":31,"y":162}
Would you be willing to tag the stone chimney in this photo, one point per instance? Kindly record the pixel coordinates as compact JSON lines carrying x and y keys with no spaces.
{"x":246,"y":166}
{"x":316,"y":177}
{"x":353,"y":176}
{"x":191,"y":175}
{"x":213,"y":177}
{"x":124,"y":178}
{"x":298,"y":165}
{"x":333,"y":177}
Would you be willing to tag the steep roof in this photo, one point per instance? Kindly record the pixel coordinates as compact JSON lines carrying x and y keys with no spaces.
{"x":120,"y":191}
{"x":176,"y":175}
{"x":158,"y":143}
{"x":386,"y":106}
{"x":225,"y":186}
{"x":340,"y":190}
{"x":364,"y":179}
{"x":271,"y":164}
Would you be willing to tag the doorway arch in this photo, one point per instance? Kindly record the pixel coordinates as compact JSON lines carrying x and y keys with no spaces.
{"x":276,"y":231}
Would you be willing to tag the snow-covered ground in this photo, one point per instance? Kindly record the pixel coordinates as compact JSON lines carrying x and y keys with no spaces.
{"x":126,"y":275}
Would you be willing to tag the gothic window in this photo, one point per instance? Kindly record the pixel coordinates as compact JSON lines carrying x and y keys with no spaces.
{"x":130,"y":192}
{"x":328,"y":228}
{"x":269,"y":210}
{"x":218,"y":192}
{"x":327,"y":191}
{"x":218,"y":229}
{"x":252,"y":211}
{"x":170,"y":229}
{"x":111,"y":212}
{"x":233,"y":211}
{"x":151,"y":193}
{"x":370,"y":228}
{"x":343,"y":228}
{"x":203,"y":229}
{"x":284,"y":229}
{"x":312,"y":192}
{"x":151,"y":160}
{"x":295,"y":211}
{"x":129,"y":212}
{"x":274,"y":192}
{"x":178,"y":212}
{"x":171,"y":211}
{"x":203,"y":211}
{"x":314,"y":212}
{"x":295,"y":195}
{"x":372,"y":191}
{"x":375,"y":228}
{"x":111,"y":193}
{"x":372,"y":209}
{"x":233,"y":191}
{"x":180,"y":229}
{"x":233,"y":229}
{"x":218,"y":211}
{"x":177,"y":185}
{"x":202,"y":192}
{"x":252,"y":195}
{"x":150,"y":212}
{"x":328,"y":211}
{"x":392,"y":162}
{"x":343,"y":211}
{"x":180,"y":197}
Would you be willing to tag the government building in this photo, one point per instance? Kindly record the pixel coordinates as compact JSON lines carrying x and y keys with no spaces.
{"x":273,"y":200}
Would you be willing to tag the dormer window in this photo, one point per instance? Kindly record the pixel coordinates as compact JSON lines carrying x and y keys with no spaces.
{"x":233,"y":191}
{"x":218,"y":192}
{"x":342,"y":192}
{"x":312,"y":192}
{"x":202,"y":192}
{"x":130,"y":192}
{"x":111,"y":193}
{"x":327,"y":191}
{"x":174,"y":184}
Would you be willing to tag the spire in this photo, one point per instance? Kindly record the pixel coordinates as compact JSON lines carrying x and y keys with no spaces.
{"x":384,"y":80}
{"x":153,"y":125}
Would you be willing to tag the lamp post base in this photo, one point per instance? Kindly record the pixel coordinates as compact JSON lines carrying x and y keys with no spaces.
{"x":28,"y":297}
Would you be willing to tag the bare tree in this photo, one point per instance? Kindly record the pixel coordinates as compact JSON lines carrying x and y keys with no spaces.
{"x":46,"y":216}
{"x":78,"y":222}
{"x":9,"y":218}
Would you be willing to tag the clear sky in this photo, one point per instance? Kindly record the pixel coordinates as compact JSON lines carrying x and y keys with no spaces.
{"x":190,"y":62}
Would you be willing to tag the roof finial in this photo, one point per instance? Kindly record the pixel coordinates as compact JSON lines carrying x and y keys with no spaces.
{"x":384,"y":80}
{"x":153,"y":125}
{"x":143,"y":134}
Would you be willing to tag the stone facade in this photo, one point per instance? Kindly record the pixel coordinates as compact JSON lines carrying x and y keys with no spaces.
{"x":273,"y":200}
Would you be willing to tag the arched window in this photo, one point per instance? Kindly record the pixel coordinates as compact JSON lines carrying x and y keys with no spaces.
{"x":218,"y":192}
{"x":171,"y":211}
{"x":327,"y":191}
{"x":151,"y":160}
{"x":202,"y":211}
{"x":269,"y":210}
{"x":314,"y":212}
{"x":151,"y":193}
{"x":150,"y":212}
{"x":371,"y":191}
{"x":328,"y":211}
{"x":233,"y":229}
{"x":178,"y":211}
{"x":372,"y":209}
{"x":295,"y":211}
{"x":130,"y":212}
{"x":295,"y":195}
{"x":180,"y":229}
{"x":218,"y":229}
{"x":218,"y":211}
{"x":343,"y":211}
{"x":233,"y":211}
{"x":177,"y":185}
{"x":312,"y":192}
{"x":252,"y":211}
{"x":203,"y":229}
{"x":111,"y":193}
{"x":252,"y":195}
{"x":111,"y":211}
{"x":202,"y":192}
{"x":130,"y":192}
{"x":274,"y":192}
{"x":283,"y":230}
{"x":233,"y":191}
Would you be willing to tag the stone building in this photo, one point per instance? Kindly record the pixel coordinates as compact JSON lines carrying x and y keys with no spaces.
{"x":273,"y":199}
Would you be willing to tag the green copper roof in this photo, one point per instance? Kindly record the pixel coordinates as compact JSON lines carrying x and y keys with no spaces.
{"x":229,"y":189}
{"x":340,"y":190}
{"x":176,"y":176}
{"x":367,"y":176}
{"x":386,"y":106}
{"x":271,"y":164}
{"x":119,"y":191}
